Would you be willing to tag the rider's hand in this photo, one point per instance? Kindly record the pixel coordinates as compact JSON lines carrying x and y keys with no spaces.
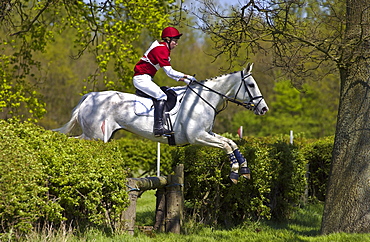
{"x":191,"y":78}
{"x":187,"y":81}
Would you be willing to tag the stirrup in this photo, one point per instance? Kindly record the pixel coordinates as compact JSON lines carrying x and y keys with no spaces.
{"x":162,"y":132}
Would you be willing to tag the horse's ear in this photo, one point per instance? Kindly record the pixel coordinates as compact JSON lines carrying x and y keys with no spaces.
{"x":248,"y":69}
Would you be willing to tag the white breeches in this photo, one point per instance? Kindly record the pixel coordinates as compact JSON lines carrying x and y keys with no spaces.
{"x":145,"y":84}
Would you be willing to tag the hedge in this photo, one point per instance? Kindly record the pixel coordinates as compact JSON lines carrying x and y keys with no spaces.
{"x":318,"y":154}
{"x":49,"y":178}
{"x":46,"y":177}
{"x":283,"y":177}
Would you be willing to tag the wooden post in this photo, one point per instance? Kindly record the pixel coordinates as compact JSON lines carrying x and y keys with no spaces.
{"x":175,"y":201}
{"x":160,"y":210}
{"x":129,"y":215}
{"x":169,"y":205}
{"x":136,"y":186}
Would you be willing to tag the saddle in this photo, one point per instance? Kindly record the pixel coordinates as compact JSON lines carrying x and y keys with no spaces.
{"x":171,"y":97}
{"x":170,"y":104}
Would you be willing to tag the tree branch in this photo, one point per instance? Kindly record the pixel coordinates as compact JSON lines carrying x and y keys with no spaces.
{"x":310,"y":43}
{"x":34,"y":20}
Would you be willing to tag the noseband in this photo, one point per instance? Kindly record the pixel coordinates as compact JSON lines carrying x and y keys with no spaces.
{"x":248,"y":105}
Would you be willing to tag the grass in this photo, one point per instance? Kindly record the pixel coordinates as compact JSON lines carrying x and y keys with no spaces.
{"x":304,"y":226}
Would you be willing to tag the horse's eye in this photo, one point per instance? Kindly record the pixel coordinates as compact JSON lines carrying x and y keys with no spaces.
{"x":251,"y":85}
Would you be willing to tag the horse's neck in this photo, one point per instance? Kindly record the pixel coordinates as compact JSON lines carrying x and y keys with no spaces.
{"x":223,"y":84}
{"x":212,"y":88}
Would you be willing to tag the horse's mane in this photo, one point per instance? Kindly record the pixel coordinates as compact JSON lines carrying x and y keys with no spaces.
{"x":216,"y":77}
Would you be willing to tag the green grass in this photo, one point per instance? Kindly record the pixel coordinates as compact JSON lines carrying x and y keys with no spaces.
{"x":145,"y":209}
{"x":304,"y":226}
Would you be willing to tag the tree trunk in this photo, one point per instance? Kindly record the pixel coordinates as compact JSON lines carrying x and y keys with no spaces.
{"x":347,"y":205}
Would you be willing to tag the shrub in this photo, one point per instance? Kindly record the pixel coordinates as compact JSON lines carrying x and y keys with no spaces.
{"x":49,"y":178}
{"x":275,"y":189}
{"x":318,"y":155}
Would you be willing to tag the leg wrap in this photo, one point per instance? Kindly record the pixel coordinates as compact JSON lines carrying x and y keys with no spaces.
{"x":244,"y":169}
{"x":234,"y":165}
{"x":239,"y":157}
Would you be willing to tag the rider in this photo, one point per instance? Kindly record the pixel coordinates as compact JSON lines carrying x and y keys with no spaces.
{"x":158,"y":56}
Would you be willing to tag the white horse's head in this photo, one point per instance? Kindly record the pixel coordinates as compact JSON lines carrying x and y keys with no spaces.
{"x":249,"y":93}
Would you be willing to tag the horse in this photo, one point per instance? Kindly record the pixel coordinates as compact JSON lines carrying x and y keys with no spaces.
{"x":192,"y":118}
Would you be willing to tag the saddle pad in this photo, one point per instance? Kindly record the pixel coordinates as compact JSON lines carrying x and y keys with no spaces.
{"x":145,"y":107}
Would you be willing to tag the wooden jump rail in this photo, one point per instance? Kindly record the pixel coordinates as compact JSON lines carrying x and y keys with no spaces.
{"x":169,"y":204}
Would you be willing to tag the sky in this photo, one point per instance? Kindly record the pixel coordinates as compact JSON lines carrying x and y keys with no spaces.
{"x":232,"y":2}
{"x":225,"y":3}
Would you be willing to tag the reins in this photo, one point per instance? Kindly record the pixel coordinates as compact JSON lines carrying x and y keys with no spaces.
{"x":250,"y":105}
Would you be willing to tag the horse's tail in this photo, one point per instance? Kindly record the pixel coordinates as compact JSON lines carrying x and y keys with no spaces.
{"x":65,"y":129}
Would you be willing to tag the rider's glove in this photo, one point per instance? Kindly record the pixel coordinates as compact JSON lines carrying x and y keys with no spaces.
{"x":187,"y":81}
{"x":191,"y":78}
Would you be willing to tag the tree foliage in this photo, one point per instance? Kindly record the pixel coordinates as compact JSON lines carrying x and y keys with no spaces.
{"x":307,"y":112}
{"x":108,"y":29}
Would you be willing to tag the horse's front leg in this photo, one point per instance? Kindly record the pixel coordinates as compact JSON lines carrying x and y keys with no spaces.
{"x":231,"y":149}
{"x":236,"y":154}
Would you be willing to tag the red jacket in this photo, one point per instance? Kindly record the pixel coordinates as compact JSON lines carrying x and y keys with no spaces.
{"x":157,"y":56}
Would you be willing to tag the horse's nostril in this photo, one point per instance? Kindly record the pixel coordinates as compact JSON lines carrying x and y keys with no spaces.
{"x":264,"y":110}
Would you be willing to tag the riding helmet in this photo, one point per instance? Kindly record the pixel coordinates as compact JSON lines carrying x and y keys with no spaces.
{"x":171,"y":32}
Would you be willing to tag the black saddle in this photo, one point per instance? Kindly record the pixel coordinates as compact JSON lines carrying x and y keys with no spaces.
{"x":171,"y":97}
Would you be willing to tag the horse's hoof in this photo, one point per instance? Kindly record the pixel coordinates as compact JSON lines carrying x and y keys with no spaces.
{"x":246,"y":172}
{"x":247,"y":176}
{"x":234,"y":177}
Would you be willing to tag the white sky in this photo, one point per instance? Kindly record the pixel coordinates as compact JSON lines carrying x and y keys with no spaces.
{"x":235,"y":3}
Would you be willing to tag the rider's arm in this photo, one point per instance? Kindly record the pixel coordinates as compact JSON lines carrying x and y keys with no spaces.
{"x":173,"y":73}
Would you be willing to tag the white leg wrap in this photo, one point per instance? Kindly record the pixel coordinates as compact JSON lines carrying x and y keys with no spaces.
{"x":235,"y":167}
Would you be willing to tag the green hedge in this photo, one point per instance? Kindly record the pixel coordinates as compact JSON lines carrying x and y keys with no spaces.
{"x":318,"y":154}
{"x":278,"y":179}
{"x":46,"y":177}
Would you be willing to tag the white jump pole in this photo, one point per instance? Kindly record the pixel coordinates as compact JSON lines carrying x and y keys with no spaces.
{"x":159,"y":159}
{"x":291,"y":137}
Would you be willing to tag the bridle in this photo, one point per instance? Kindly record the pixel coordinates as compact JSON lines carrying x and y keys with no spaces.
{"x":248,"y":105}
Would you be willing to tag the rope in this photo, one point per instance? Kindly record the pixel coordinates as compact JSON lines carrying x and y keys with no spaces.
{"x":175,"y":184}
{"x":132,"y":188}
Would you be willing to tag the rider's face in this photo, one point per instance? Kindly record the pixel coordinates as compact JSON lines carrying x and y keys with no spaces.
{"x":173,"y":43}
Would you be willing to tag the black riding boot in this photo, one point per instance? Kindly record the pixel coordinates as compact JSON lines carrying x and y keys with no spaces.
{"x":158,"y":129}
